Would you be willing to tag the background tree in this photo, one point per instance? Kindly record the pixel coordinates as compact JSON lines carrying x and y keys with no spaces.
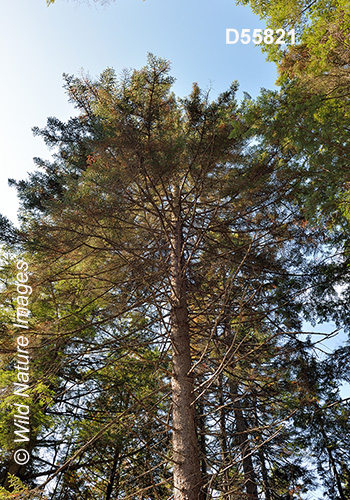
{"x":321,"y":55}
{"x":166,"y":240}
{"x":309,"y":115}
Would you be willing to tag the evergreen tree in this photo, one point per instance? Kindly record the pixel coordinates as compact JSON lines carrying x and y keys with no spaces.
{"x":166,"y":240}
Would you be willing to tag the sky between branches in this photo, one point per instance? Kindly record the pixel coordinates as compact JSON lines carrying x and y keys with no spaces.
{"x":39,"y":43}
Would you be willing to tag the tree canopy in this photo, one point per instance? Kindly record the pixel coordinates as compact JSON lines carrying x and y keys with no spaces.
{"x":172,"y":263}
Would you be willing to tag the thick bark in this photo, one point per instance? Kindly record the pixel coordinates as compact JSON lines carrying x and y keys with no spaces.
{"x":187,"y":473}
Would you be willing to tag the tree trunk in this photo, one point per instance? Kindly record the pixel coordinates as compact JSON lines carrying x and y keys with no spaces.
{"x":223,"y":438}
{"x":15,"y":470}
{"x":261,"y":454}
{"x":187,"y":473}
{"x":332,"y":463}
{"x":243,"y":441}
{"x":202,"y":445}
{"x":113,"y":479}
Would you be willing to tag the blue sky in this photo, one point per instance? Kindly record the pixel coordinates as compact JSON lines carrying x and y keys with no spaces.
{"x":39,"y":43}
